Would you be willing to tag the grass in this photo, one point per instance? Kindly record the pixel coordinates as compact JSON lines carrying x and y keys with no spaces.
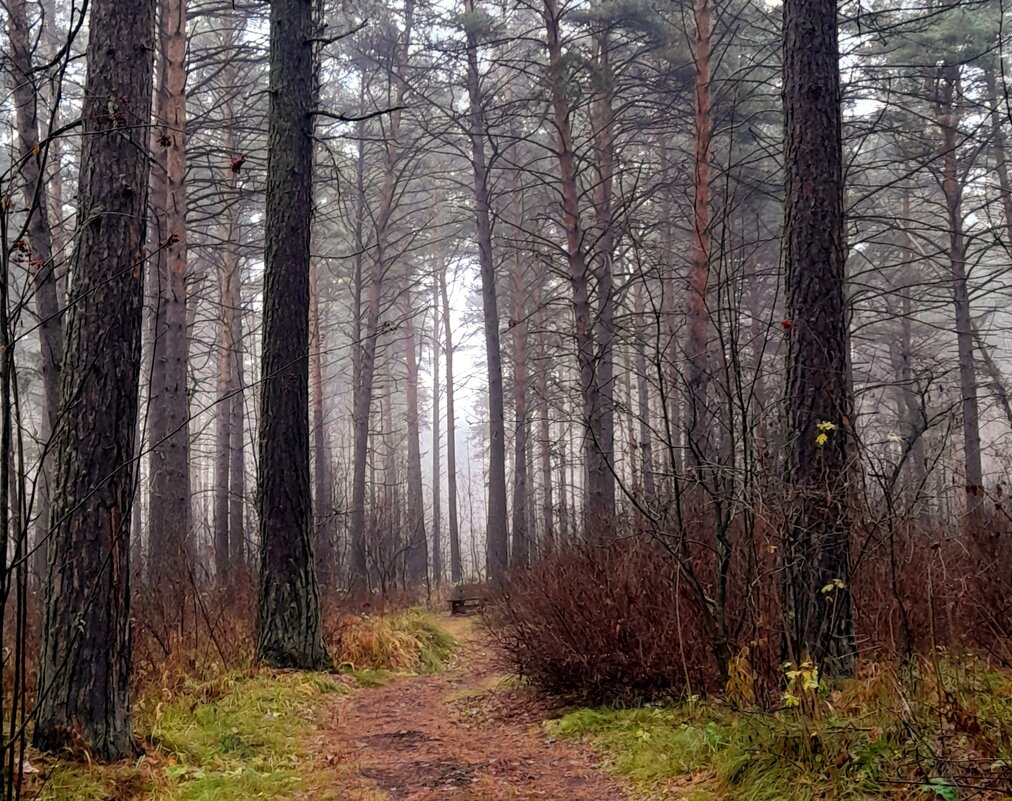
{"x":245,"y":735}
{"x":406,"y":642}
{"x":940,"y":731}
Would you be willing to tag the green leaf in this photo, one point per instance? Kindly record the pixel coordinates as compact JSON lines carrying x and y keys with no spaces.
{"x":941,"y":788}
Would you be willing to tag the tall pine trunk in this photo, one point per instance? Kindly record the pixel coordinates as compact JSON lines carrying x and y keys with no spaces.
{"x":437,"y":513}
{"x":456,"y":567}
{"x":169,"y":508}
{"x":84,"y":671}
{"x":817,"y":602}
{"x":289,"y":627}
{"x":325,"y":535}
{"x":593,"y":356}
{"x":948,"y":115}
{"x":417,"y":548}
{"x":497,"y":534}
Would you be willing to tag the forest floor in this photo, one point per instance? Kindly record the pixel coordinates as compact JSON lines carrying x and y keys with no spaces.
{"x":465,"y":734}
{"x":453,"y":728}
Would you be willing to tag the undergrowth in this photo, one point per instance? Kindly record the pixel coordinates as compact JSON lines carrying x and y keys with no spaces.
{"x":941,"y":730}
{"x":238,"y":737}
{"x":374,"y":648}
{"x":243,"y":734}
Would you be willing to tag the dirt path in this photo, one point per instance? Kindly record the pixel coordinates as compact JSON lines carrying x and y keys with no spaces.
{"x":460,"y":735}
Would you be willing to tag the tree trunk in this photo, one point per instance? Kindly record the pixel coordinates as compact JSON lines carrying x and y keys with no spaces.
{"x":456,"y":568}
{"x":497,"y":535}
{"x":41,"y":256}
{"x":84,"y":672}
{"x":700,"y":424}
{"x":819,"y":401}
{"x":518,"y":328}
{"x":948,"y":116}
{"x":362,"y":401}
{"x":223,"y":423}
{"x":437,"y":514}
{"x":170,"y":514}
{"x":289,"y":628}
{"x":601,"y":410}
{"x":597,"y":411}
{"x":325,"y":539}
{"x":417,"y":552}
{"x":643,"y":403}
{"x":238,"y":550}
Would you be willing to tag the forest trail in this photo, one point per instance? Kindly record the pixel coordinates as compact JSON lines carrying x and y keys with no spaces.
{"x":460,"y":735}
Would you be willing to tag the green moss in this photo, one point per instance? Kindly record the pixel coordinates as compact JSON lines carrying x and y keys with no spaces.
{"x":238,"y":738}
{"x":650,"y":744}
{"x":746,"y":757}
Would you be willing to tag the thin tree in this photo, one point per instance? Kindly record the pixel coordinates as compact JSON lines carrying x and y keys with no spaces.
{"x":41,"y":256}
{"x":497,"y":535}
{"x":456,"y":568}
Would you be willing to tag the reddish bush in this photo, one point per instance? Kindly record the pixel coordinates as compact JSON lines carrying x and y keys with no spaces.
{"x":600,"y":624}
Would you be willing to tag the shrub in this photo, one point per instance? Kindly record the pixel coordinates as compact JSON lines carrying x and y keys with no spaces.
{"x":601,"y":624}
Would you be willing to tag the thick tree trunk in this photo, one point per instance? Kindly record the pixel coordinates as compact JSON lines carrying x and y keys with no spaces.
{"x":456,"y":567}
{"x":819,"y":402}
{"x":497,"y":535}
{"x":289,"y":627}
{"x":84,"y":672}
{"x":170,"y":515}
{"x":41,"y":254}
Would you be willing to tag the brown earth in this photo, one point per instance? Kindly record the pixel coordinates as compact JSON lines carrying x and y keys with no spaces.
{"x":462,"y":735}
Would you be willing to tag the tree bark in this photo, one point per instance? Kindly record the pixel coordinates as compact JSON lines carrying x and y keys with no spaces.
{"x":817,"y":542}
{"x":521,"y":553}
{"x":289,"y":627}
{"x":437,"y":513}
{"x":325,"y":535}
{"x":646,"y":435}
{"x":595,"y":377}
{"x":84,"y":672}
{"x":417,"y":548}
{"x":170,"y":514}
{"x":700,"y":424}
{"x":456,"y":568}
{"x":496,"y":535}
{"x":948,"y":116}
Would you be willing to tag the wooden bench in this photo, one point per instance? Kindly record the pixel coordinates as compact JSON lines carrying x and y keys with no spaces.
{"x":468,"y":598}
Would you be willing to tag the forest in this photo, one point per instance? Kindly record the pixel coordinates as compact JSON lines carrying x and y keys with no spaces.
{"x":501,"y":400}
